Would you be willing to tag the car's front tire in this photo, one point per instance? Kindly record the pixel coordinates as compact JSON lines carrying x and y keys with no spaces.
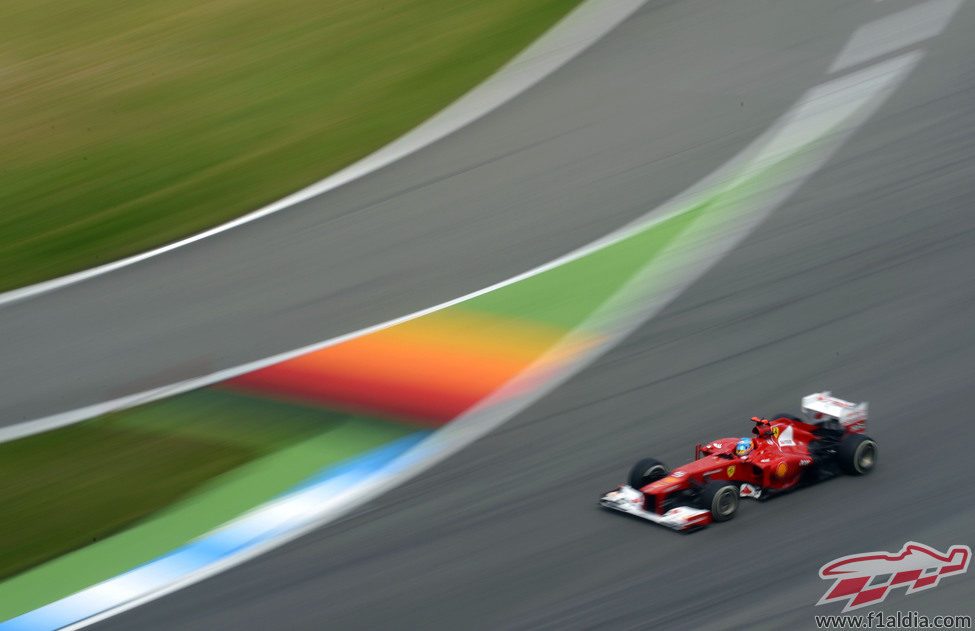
{"x":720,"y":498}
{"x":646,"y":471}
{"x":856,"y":454}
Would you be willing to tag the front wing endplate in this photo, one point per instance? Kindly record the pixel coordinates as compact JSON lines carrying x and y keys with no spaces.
{"x":628,"y":500}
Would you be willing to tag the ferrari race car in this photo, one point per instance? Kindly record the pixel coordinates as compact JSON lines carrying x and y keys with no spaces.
{"x":783,"y":453}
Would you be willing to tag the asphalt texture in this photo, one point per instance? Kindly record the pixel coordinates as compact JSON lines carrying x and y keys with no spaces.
{"x":632,"y":122}
{"x":861,"y":283}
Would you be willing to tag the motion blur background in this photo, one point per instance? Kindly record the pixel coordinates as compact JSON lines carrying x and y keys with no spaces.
{"x":832,"y":250}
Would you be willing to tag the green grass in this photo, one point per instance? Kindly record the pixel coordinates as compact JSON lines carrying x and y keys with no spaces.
{"x":162,"y":451}
{"x":213,"y":415}
{"x":129,"y":125}
{"x":74,"y":486}
{"x":67,"y":489}
{"x":296,"y":441}
{"x":214,"y":503}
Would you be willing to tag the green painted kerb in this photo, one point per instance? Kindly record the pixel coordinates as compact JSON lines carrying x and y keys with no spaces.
{"x":295,"y":443}
{"x":566,"y":295}
{"x":298,"y":441}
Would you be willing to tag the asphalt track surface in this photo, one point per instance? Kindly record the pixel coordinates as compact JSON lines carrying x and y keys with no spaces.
{"x":861,"y":283}
{"x":637,"y":119}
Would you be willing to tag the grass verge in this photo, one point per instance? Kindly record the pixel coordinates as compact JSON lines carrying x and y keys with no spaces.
{"x":128,"y":126}
{"x":75,"y":486}
{"x":62,"y":490}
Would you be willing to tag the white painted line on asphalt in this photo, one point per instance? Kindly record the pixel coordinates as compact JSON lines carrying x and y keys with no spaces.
{"x":54,"y":421}
{"x":578,"y":30}
{"x":821,"y":106}
{"x":321,"y":494}
{"x":896,"y":31}
{"x":800,"y":142}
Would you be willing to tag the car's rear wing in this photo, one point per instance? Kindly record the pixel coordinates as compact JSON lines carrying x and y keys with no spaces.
{"x":823,"y":406}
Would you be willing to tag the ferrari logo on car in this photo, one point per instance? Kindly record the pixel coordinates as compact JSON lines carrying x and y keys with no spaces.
{"x":775,"y":460}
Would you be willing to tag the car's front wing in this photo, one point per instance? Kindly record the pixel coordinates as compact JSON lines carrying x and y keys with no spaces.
{"x":628,"y":500}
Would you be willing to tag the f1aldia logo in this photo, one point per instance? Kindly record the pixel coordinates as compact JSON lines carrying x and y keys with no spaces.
{"x":866,"y":579}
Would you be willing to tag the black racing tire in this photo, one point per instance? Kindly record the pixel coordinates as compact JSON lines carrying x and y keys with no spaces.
{"x":720,"y":498}
{"x":646,"y":471}
{"x":856,"y":454}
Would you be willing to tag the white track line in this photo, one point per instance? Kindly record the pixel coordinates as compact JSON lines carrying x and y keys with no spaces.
{"x":823,"y":104}
{"x":895,"y":31}
{"x":556,"y":47}
{"x":54,"y":421}
{"x":800,"y":143}
{"x":578,"y":30}
{"x":805,"y":137}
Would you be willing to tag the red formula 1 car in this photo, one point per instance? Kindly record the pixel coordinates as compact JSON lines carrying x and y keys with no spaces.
{"x":782,"y":453}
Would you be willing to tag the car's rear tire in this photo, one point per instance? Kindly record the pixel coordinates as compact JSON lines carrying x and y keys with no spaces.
{"x":856,"y":454}
{"x":720,"y":498}
{"x":646,"y":471}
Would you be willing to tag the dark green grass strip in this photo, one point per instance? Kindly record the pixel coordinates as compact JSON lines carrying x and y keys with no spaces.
{"x":74,"y":486}
{"x":129,"y":125}
{"x":66,"y":489}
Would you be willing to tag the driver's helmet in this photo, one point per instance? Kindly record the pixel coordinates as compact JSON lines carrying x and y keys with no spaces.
{"x":744,"y":447}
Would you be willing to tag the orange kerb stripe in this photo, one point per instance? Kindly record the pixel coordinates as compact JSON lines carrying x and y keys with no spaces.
{"x":431,"y":368}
